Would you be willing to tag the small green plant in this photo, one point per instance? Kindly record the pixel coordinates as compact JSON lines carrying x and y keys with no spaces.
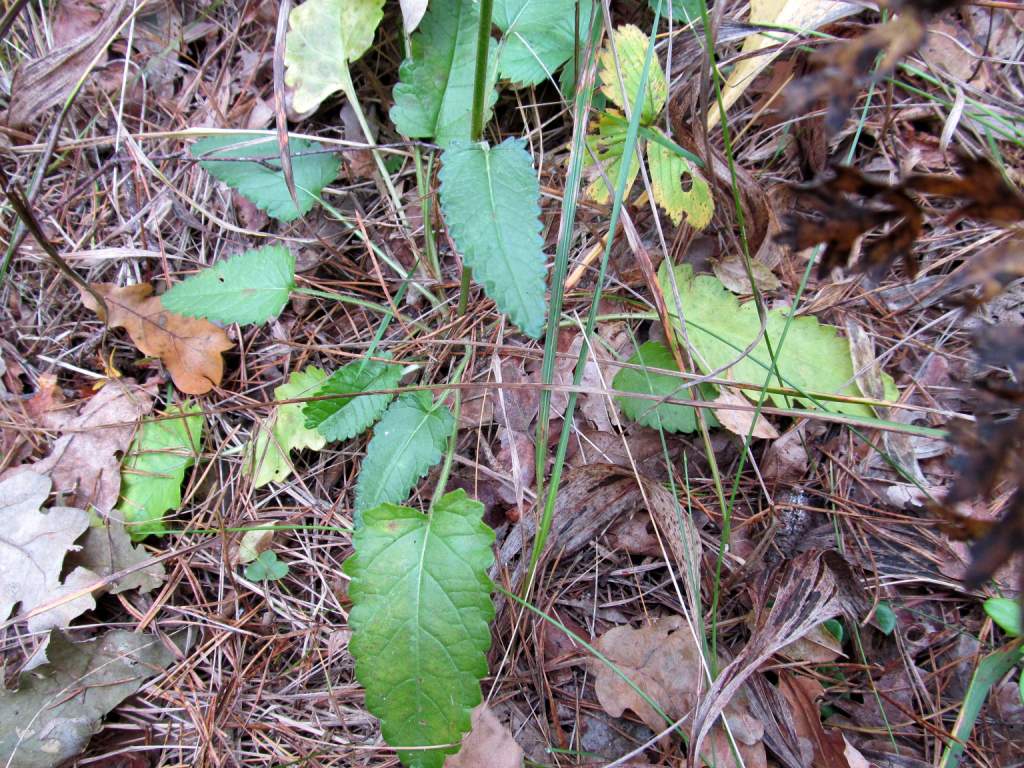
{"x":266,"y":567}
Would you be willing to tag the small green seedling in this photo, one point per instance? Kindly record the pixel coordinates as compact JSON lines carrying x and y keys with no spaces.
{"x":266,"y":567}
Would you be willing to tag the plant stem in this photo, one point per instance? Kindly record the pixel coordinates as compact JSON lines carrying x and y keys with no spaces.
{"x":483,"y":42}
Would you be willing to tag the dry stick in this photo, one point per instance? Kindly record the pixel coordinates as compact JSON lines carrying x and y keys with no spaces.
{"x":22,"y":208}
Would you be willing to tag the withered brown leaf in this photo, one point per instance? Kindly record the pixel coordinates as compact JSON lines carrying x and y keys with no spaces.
{"x":838,"y":220}
{"x":189,"y":347}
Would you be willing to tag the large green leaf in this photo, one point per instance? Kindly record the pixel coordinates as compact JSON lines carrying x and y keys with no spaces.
{"x":154,"y":468}
{"x":261,"y":179}
{"x":490,"y":198}
{"x":323,"y":37}
{"x":621,"y":71}
{"x":434,"y":94}
{"x":252,"y":287}
{"x":407,"y":442}
{"x":655,"y":356}
{"x":420,"y":611}
{"x":341,"y":417}
{"x":267,"y":455}
{"x":813,"y":359}
{"x":539,"y":36}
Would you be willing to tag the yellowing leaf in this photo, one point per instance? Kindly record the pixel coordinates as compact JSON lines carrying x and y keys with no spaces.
{"x":323,"y":37}
{"x":801,"y":15}
{"x":631,"y":50}
{"x":189,"y":347}
{"x":667,"y":169}
{"x":266,"y":457}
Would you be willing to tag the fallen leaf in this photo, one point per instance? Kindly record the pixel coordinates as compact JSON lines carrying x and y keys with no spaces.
{"x":665,"y":662}
{"x":253,"y":544}
{"x":488,"y":743}
{"x":84,"y":462}
{"x":59,"y":706}
{"x":739,"y":421}
{"x":806,"y":591}
{"x":786,"y":460}
{"x":804,"y":15}
{"x":733,"y":274}
{"x":820,"y":748}
{"x":819,"y":646}
{"x":106,"y":549}
{"x":189,"y":347}
{"x":48,"y":80}
{"x":34,"y":545}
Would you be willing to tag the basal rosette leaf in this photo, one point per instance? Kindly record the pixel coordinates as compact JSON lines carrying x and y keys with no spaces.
{"x":252,"y":287}
{"x":407,"y":441}
{"x":656,"y":357}
{"x":490,"y":199}
{"x":434,"y":94}
{"x":621,"y":84}
{"x":348,"y":413}
{"x":323,"y":37}
{"x":260,"y":179}
{"x":814,"y":358}
{"x":420,"y":612}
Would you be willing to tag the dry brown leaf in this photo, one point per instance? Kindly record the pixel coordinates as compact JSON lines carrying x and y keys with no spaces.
{"x":819,"y":646}
{"x":820,"y":749}
{"x":806,"y":591}
{"x":85,"y":461}
{"x":107,"y":549}
{"x":739,"y":420}
{"x":786,"y":460}
{"x":732,"y":272}
{"x":189,"y":347}
{"x":665,"y":662}
{"x":47,"y":81}
{"x":488,"y":743}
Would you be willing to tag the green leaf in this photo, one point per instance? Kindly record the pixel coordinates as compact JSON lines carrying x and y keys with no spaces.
{"x":672,"y":418}
{"x":683,"y":11}
{"x":539,"y":36}
{"x":420,"y":612}
{"x":323,"y":37}
{"x":261,"y":180}
{"x":60,"y":704}
{"x":1006,"y":613}
{"x":154,"y":468}
{"x":252,"y":287}
{"x":266,"y":567}
{"x":491,"y":203}
{"x":631,"y":46}
{"x":814,"y":358}
{"x":885,"y":617}
{"x":407,"y":442}
{"x":607,"y":147}
{"x":342,"y":418}
{"x":434,"y":94}
{"x":267,"y":455}
{"x":667,"y":168}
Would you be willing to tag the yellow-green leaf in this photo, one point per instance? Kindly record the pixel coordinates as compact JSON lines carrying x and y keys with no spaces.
{"x":667,"y":170}
{"x":323,"y":37}
{"x":607,"y":147}
{"x":631,"y":49}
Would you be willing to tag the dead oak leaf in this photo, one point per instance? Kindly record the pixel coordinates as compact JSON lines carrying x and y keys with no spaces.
{"x":489,"y":742}
{"x":189,"y":347}
{"x":664,"y":661}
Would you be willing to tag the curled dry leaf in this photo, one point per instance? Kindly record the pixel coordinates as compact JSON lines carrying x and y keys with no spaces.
{"x":84,"y":462}
{"x":488,"y":743}
{"x":665,"y":662}
{"x":739,"y":420}
{"x":189,"y":347}
{"x":733,"y":274}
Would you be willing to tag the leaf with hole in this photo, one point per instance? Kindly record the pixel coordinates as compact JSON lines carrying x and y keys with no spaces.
{"x":266,"y":567}
{"x":491,"y":203}
{"x":346,"y":414}
{"x":814,"y":358}
{"x":267,"y":454}
{"x":154,"y":468}
{"x":655,"y":357}
{"x":259,"y":176}
{"x":407,"y":442}
{"x":539,"y":36}
{"x":252,"y":287}
{"x":323,"y":37}
{"x":434,"y":94}
{"x":667,"y":169}
{"x":420,"y":611}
